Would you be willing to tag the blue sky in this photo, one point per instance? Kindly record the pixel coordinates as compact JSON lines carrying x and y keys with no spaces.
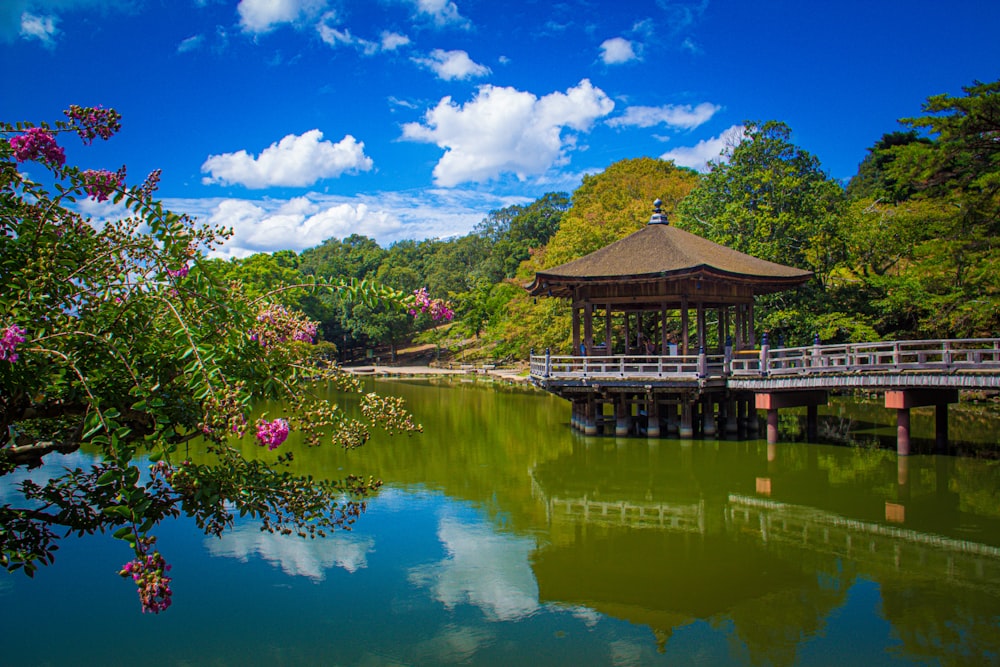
{"x":293,"y":121}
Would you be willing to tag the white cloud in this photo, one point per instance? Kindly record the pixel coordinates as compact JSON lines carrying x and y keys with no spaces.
{"x":507,"y":131}
{"x":42,"y":28}
{"x":260,"y":16}
{"x":393,"y":40}
{"x":442,"y":12}
{"x":680,"y":116}
{"x":617,"y":50}
{"x":190,"y":44}
{"x":296,"y":161}
{"x":267,"y":225}
{"x":295,"y":556}
{"x":451,"y":65}
{"x":716,"y":149}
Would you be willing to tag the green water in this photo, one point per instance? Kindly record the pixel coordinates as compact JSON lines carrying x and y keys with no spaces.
{"x":504,"y":537}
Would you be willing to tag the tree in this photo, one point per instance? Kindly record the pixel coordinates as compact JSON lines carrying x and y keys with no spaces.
{"x":771,"y":199}
{"x":608,"y":206}
{"x":122,"y":338}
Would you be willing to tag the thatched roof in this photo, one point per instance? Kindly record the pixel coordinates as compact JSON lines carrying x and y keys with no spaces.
{"x":663,"y":252}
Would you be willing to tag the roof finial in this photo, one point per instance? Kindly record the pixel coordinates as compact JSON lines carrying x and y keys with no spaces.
{"x":658,"y":217}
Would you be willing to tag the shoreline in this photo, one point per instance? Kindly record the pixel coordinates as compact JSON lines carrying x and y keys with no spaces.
{"x":505,"y":374}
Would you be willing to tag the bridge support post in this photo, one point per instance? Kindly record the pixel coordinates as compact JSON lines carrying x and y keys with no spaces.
{"x":732,"y":418}
{"x":672,"y":419}
{"x":812,"y":423}
{"x":751,"y":417}
{"x":653,"y":417}
{"x":687,"y":429}
{"x":904,"y":399}
{"x":590,"y":417}
{"x":708,"y":409}
{"x":622,"y":415}
{"x":773,"y":401}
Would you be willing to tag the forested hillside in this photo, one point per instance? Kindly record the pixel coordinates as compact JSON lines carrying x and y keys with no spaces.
{"x":907,"y":249}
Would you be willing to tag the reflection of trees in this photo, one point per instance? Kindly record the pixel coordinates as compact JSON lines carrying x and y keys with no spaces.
{"x":935,"y":624}
{"x":772,"y":626}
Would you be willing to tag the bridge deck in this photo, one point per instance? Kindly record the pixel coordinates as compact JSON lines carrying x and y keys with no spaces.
{"x":959,"y":363}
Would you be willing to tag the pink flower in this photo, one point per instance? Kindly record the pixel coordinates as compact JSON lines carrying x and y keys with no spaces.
{"x":12,"y":336}
{"x":437,"y":308}
{"x":94,"y":122}
{"x":38,"y":144}
{"x":178,"y":273}
{"x":271,"y":433}
{"x":149,"y":575}
{"x":101,"y":184}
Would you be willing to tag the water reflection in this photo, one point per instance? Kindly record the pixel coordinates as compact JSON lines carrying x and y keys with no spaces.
{"x":296,"y":557}
{"x":482,"y":568}
{"x":771,"y":541}
{"x":503,"y":537}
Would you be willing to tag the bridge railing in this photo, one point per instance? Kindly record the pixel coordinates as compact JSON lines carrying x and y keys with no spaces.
{"x":677,"y":366}
{"x":970,"y":354}
{"x":911,"y":355}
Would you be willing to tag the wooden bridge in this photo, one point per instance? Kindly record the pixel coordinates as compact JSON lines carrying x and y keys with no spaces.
{"x":719,"y":386}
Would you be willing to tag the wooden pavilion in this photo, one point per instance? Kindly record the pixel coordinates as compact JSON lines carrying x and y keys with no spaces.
{"x":636,"y":300}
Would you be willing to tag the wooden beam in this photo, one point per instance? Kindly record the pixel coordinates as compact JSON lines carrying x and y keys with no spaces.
{"x":789,"y":399}
{"x":918,"y":398}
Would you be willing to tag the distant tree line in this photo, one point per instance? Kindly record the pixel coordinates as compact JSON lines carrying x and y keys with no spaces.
{"x":906,"y":249}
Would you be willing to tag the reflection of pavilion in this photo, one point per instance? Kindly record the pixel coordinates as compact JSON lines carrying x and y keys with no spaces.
{"x":666,"y":536}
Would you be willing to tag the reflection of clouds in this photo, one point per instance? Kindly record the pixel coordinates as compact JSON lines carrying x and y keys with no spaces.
{"x":482,"y":568}
{"x":624,"y":653}
{"x":452,"y":645}
{"x":295,"y":556}
{"x":55,"y":465}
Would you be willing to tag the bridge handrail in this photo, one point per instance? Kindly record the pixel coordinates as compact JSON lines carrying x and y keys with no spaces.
{"x":936,"y":355}
{"x":676,"y":366}
{"x":906,"y":355}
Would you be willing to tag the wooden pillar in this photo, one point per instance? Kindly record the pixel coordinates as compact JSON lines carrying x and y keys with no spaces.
{"x":709,"y":428}
{"x":772,"y":426}
{"x":772,"y":401}
{"x":663,"y":329}
{"x":903,"y":431}
{"x":628,"y":330}
{"x":903,"y":400}
{"x":672,"y":426}
{"x":751,"y":335}
{"x":684,"y":325}
{"x":721,"y":314}
{"x":812,"y":423}
{"x":941,"y":427}
{"x":652,"y":416}
{"x":590,"y":417}
{"x":607,"y":329}
{"x":702,"y":338}
{"x":732,"y":417}
{"x":576,"y":330}
{"x":622,"y":415}
{"x":686,"y":427}
{"x":588,"y":326}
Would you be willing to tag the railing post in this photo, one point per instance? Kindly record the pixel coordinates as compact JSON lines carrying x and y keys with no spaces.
{"x":946,"y":353}
{"x":548,"y":362}
{"x":817,"y":352}
{"x":765,"y":350}
{"x":702,"y":362}
{"x":727,"y":360}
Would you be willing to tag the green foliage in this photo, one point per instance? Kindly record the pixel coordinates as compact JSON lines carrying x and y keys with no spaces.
{"x":929,"y":249}
{"x":771,"y":199}
{"x":123,"y":338}
{"x":611,"y":205}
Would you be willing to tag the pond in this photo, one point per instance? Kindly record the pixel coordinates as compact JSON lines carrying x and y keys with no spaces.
{"x":504,"y":537}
